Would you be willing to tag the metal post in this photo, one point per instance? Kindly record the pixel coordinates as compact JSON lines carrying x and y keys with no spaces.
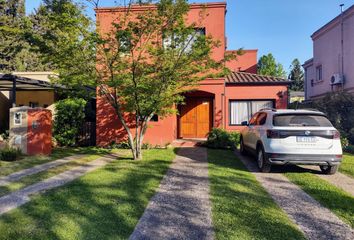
{"x":342,"y":43}
{"x":13,"y":91}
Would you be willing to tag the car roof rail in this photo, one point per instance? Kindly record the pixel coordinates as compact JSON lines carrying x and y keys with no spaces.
{"x":309,"y":109}
{"x":271,"y":109}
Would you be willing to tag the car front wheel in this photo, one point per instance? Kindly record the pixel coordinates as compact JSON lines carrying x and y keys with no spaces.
{"x":262,"y":161}
{"x":329,"y":170}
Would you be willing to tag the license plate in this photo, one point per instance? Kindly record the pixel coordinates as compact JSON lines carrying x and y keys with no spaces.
{"x":306,"y":139}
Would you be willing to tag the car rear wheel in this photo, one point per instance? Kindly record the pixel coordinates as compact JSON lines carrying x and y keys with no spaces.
{"x":242,"y":148}
{"x":262,"y":161}
{"x":329,"y":170}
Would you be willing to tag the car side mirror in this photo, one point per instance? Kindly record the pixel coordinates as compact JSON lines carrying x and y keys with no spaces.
{"x":244,"y":123}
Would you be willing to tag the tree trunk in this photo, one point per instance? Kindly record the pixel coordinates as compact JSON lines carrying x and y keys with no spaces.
{"x":130,"y":136}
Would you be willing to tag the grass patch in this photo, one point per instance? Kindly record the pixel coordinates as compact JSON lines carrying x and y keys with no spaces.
{"x":347,"y":165}
{"x":24,"y":162}
{"x":104,"y":204}
{"x":338,"y":201}
{"x":31,"y":179}
{"x":241,"y":207}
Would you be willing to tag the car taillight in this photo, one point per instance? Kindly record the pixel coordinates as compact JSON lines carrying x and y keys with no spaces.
{"x":336,"y":134}
{"x":273,"y":134}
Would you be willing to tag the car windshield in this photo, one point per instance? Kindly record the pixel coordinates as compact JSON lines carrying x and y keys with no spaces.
{"x":301,"y":120}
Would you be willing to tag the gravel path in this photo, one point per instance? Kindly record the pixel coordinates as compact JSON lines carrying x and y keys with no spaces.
{"x":39,"y":168}
{"x":339,"y":179}
{"x":181,"y":208}
{"x":316,"y":221}
{"x":20,"y":197}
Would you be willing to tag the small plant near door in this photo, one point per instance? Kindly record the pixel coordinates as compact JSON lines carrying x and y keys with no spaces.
{"x":220,"y":138}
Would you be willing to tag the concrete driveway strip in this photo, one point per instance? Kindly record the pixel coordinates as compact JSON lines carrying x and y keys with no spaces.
{"x":181,"y":207}
{"x":316,"y":221}
{"x":20,"y":197}
{"x":36,"y":169}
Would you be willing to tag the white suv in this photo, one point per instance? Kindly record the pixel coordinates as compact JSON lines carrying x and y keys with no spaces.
{"x":304,"y":137}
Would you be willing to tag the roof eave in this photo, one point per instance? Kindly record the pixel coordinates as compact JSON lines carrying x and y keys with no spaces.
{"x":260,"y":83}
{"x":153,"y":6}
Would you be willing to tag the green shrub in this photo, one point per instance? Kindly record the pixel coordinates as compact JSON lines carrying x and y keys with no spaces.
{"x":120,"y":145}
{"x":235,"y":139}
{"x":344,"y":141}
{"x":339,"y":108}
{"x":349,"y":149}
{"x":220,"y":138}
{"x":126,"y":145}
{"x":147,"y":146}
{"x":70,"y":115}
{"x":9,"y":154}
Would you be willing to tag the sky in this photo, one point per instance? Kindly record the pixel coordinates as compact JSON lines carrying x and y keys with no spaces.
{"x":280,"y":27}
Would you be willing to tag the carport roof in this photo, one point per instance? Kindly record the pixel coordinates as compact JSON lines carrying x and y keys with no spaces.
{"x":255,"y":79}
{"x":23,"y":83}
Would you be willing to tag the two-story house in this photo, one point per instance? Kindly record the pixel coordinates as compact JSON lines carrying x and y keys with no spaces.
{"x":332,"y":65}
{"x":223,"y":102}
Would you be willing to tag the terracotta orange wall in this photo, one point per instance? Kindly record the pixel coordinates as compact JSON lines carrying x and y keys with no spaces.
{"x":246,"y":62}
{"x":213,"y":20}
{"x":164,"y":131}
{"x":39,"y":139}
{"x":109,"y":128}
{"x":252,"y":92}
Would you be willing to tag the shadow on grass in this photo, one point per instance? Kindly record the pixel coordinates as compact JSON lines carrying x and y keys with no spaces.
{"x":105,"y":204}
{"x":242,"y":209}
{"x":24,"y":162}
{"x":335,"y":199}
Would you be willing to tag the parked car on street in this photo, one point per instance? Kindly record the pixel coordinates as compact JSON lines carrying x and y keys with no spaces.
{"x":300,"y":137}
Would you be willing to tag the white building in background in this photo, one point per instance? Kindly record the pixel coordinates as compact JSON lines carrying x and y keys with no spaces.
{"x":332,"y":65}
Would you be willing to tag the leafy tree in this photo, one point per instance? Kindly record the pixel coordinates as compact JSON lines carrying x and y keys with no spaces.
{"x":149,"y":60}
{"x":15,"y":51}
{"x":296,"y":75}
{"x":268,"y":66}
{"x":65,"y":37}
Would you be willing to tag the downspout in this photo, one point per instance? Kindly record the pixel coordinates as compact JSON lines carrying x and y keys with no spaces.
{"x":224,"y":103}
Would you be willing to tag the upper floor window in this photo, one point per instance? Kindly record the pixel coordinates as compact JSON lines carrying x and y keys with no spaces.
{"x":183,"y":41}
{"x":319,"y":73}
{"x":124,"y":41}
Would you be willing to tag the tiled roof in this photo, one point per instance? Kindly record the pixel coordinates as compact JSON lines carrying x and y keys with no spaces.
{"x":251,"y":78}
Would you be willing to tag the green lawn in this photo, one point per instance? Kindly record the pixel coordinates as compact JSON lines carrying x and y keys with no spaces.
{"x":24,"y":162}
{"x":347,"y":165}
{"x":338,"y":201}
{"x":241,"y":207}
{"x":104,"y":204}
{"x":31,"y":179}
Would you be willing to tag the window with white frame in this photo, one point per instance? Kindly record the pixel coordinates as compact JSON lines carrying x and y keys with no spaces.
{"x":187,"y":43}
{"x":319,"y":73}
{"x":241,"y":110}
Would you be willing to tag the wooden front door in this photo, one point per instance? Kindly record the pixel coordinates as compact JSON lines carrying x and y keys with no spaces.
{"x":195,"y":120}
